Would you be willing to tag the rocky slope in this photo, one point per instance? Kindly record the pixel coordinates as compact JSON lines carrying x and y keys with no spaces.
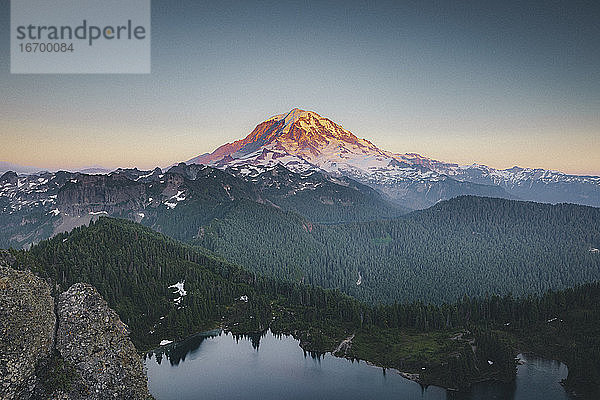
{"x":79,"y":351}
{"x":27,"y":324}
{"x":92,"y":338}
{"x":36,"y":207}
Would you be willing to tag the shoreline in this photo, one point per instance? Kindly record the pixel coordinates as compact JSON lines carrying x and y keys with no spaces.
{"x":411,"y":376}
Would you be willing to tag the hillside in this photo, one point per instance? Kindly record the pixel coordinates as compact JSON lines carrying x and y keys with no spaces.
{"x":178,"y":202}
{"x":133,"y":268}
{"x":464,"y":246}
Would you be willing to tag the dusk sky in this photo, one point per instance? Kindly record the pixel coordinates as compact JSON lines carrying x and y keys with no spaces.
{"x":499,"y":83}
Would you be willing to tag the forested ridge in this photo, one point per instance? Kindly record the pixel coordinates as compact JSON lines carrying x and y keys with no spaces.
{"x":465,"y":246}
{"x":212,"y":194}
{"x":133,"y":267}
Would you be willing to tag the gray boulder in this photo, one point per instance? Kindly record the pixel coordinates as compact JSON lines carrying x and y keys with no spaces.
{"x":92,"y":339}
{"x":27,"y":325}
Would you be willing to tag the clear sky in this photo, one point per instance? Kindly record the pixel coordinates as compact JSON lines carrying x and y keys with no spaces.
{"x":501,"y":83}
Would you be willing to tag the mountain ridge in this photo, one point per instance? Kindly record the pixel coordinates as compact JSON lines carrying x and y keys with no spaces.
{"x":36,"y":207}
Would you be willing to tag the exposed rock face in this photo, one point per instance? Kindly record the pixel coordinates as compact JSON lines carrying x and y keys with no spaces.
{"x":27,"y":325}
{"x":92,"y":338}
{"x":110,"y":193}
{"x":90,"y":346}
{"x":9,"y":177}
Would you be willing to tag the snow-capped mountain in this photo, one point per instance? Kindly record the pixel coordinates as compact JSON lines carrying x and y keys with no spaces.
{"x":538,"y":184}
{"x":304,"y":140}
{"x":301,"y":140}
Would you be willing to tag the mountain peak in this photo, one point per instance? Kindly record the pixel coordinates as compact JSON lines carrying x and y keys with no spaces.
{"x":299,"y":133}
{"x":293,"y":116}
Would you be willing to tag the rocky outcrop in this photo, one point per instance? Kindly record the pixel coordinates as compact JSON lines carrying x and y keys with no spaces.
{"x":92,"y":338}
{"x":27,"y":325}
{"x":97,"y":193}
{"x":9,"y":177}
{"x":80,"y":350}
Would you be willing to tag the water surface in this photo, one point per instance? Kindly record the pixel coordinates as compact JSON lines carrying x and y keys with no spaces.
{"x":269,"y":367}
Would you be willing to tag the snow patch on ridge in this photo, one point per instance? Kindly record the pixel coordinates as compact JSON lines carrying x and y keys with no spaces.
{"x":179,"y":290}
{"x":98,"y":213}
{"x":174,"y":200}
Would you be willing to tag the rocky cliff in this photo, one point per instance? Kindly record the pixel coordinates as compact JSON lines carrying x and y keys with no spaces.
{"x":95,"y":193}
{"x":78,"y":349}
{"x":92,"y":338}
{"x":27,"y":325}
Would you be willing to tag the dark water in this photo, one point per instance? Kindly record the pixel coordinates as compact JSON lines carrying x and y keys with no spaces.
{"x":224,"y":367}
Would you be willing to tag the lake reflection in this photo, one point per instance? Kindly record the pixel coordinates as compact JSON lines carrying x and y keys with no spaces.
{"x":264,"y":366}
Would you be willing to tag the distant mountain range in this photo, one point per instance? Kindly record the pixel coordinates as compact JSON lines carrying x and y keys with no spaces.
{"x":303,"y":140}
{"x":26,"y":169}
{"x":20,"y":169}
